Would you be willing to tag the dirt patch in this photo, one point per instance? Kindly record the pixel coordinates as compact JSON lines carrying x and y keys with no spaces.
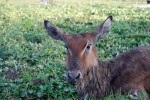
{"x":38,"y":81}
{"x":144,"y":6}
{"x":45,"y":2}
{"x":10,"y":75}
{"x":147,"y":29}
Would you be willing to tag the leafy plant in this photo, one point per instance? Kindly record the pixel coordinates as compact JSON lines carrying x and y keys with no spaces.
{"x":39,"y":62}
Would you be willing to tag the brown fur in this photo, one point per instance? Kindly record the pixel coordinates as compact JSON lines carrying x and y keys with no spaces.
{"x":127,"y":73}
{"x":124,"y":72}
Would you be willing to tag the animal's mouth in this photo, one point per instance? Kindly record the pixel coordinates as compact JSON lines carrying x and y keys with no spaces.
{"x":73,"y":77}
{"x":73,"y":82}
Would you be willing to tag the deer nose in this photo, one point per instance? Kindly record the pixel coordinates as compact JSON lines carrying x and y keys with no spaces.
{"x":73,"y":76}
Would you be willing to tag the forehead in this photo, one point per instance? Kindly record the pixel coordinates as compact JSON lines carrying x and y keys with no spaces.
{"x":77,"y":42}
{"x":77,"y":39}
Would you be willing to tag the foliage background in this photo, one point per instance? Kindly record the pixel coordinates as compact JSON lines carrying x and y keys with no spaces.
{"x":32,"y":65}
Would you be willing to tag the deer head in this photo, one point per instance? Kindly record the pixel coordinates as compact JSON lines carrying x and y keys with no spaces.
{"x":81,"y":50}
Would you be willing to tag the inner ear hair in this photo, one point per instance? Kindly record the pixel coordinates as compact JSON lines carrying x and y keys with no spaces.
{"x":53,"y":31}
{"x":103,"y":29}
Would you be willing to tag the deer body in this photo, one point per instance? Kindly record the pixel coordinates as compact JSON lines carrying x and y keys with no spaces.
{"x":129,"y":72}
{"x":124,"y":74}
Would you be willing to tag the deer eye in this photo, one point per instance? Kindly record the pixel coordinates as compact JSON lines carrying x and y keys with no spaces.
{"x":88,"y":46}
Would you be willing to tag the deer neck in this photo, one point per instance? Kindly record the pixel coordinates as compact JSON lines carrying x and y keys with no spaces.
{"x":97,"y":83}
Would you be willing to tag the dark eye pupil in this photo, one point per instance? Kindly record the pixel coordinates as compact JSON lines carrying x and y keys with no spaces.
{"x":88,"y":47}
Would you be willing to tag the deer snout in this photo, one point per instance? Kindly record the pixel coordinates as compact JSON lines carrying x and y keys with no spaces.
{"x":73,"y":76}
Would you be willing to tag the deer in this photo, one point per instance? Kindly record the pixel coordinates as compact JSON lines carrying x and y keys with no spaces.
{"x":128,"y":73}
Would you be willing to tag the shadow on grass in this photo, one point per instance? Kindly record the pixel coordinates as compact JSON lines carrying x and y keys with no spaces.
{"x":34,"y":38}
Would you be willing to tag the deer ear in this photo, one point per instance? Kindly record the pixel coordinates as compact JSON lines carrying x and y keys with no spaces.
{"x":103,"y":29}
{"x":55,"y":32}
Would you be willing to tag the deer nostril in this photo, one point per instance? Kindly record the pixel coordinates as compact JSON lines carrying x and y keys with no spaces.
{"x":74,"y":75}
{"x":69,"y":76}
{"x":78,"y":76}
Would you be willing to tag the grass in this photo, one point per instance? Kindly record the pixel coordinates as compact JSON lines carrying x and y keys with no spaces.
{"x":32,"y":65}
